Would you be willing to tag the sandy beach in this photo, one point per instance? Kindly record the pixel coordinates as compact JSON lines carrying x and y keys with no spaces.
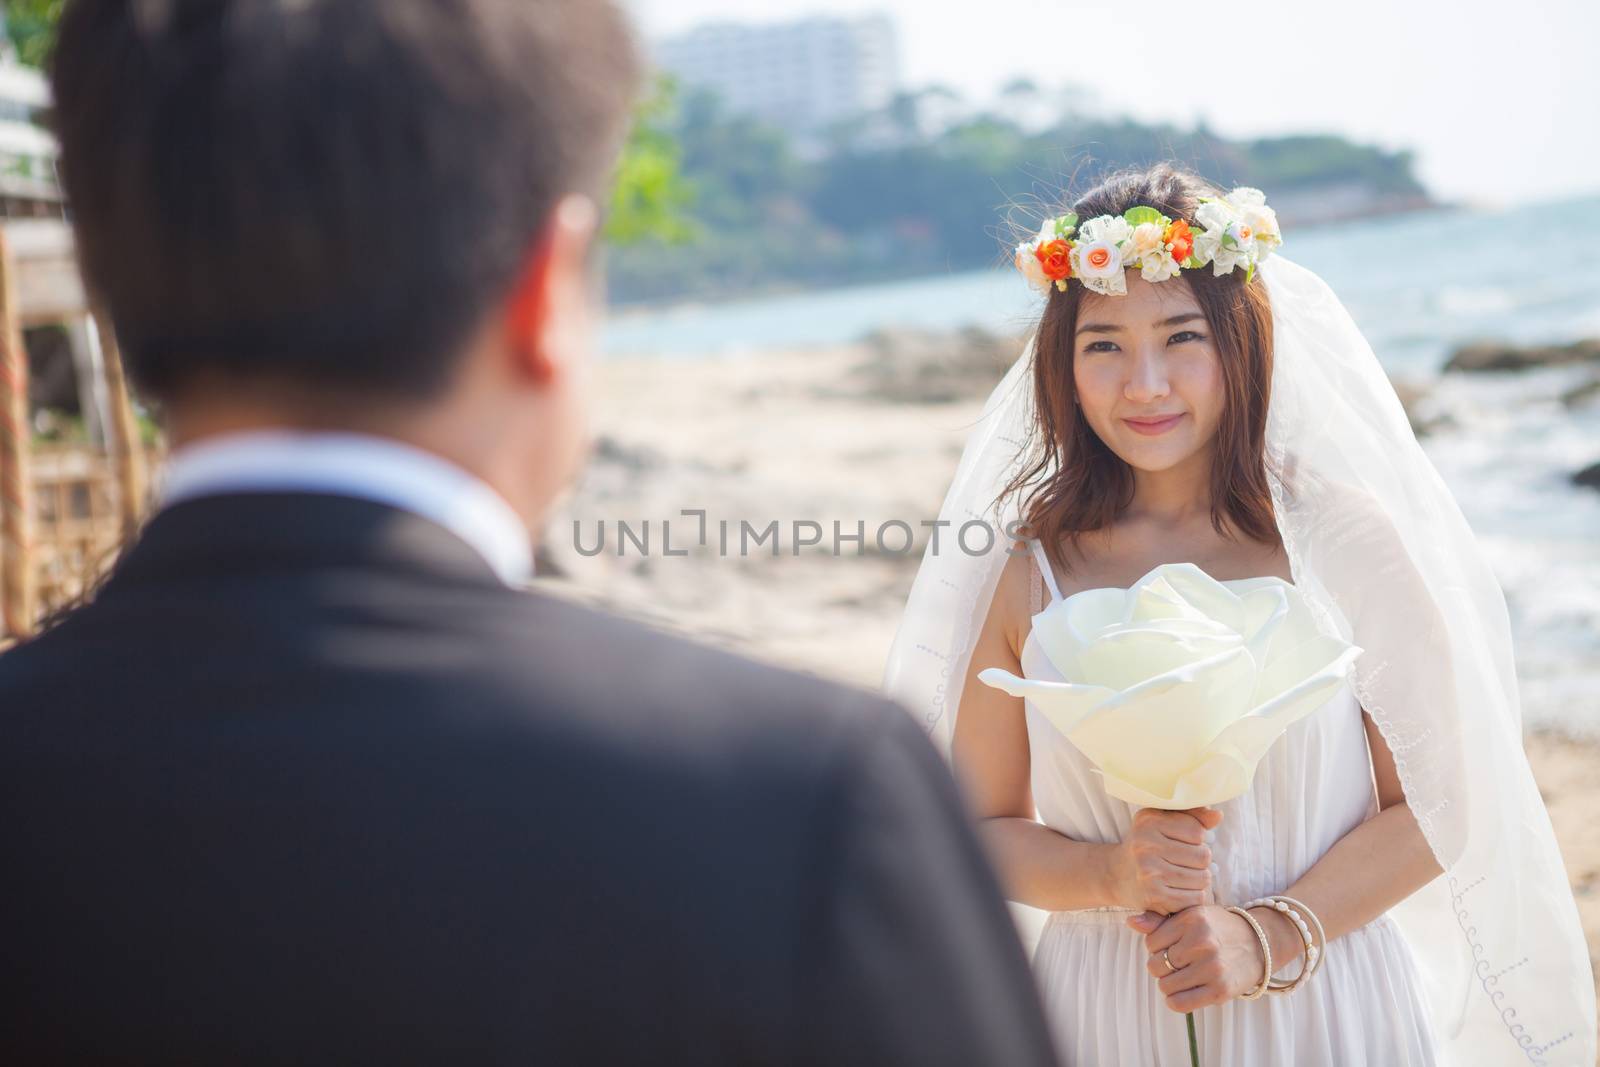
{"x":868,"y":432}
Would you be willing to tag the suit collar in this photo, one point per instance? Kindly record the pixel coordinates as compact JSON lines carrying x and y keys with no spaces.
{"x":362,"y":466}
{"x":241,"y":533}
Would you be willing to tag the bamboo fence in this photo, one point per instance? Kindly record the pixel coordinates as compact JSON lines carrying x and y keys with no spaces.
{"x":64,"y":511}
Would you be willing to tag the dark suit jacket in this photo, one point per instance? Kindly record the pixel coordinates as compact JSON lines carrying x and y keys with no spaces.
{"x":306,"y":784}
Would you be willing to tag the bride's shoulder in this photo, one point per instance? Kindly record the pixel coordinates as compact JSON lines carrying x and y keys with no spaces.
{"x":1011,"y":608}
{"x":1016,"y":577}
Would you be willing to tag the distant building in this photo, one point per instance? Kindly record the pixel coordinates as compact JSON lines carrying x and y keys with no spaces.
{"x":802,"y":76}
{"x":27,"y":149}
{"x":64,"y":356}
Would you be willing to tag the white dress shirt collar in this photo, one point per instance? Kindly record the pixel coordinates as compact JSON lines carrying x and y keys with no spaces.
{"x":361,"y":466}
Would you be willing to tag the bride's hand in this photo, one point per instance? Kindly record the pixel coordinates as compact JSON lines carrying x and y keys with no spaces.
{"x":1164,"y":865}
{"x":1216,"y":955}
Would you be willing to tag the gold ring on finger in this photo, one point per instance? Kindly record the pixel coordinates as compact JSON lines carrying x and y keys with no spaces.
{"x":1168,"y":961}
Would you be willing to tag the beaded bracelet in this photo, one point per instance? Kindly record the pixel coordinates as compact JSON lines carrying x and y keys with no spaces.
{"x":1313,"y":951}
{"x":1314,"y":945}
{"x":1320,"y":949}
{"x":1266,"y":954}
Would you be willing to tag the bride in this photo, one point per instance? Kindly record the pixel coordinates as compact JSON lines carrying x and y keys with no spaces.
{"x":1189,"y":398}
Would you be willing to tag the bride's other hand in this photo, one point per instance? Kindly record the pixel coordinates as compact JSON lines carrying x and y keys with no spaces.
{"x":1164,"y":864}
{"x":1214,"y":956}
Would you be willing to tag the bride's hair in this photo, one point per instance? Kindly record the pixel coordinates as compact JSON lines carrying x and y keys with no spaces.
{"x":1073,"y":483}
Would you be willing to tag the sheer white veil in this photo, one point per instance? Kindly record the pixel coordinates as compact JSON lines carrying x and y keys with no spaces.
{"x":1387,"y":561}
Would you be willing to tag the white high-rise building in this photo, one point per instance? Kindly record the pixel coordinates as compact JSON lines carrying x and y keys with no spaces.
{"x":802,"y":76}
{"x":27,"y":149}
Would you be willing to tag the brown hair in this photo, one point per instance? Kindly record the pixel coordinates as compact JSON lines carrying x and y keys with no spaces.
{"x":325,"y":194}
{"x":1074,"y":484}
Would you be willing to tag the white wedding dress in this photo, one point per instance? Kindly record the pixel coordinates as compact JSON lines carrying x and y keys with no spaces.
{"x":1363,"y":1008}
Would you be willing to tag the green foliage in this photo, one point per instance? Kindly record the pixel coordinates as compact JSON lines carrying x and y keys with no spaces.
{"x":1138,"y":216}
{"x":31,"y":25}
{"x":649,"y":197}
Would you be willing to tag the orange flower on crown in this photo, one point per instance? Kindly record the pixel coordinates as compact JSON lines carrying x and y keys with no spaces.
{"x":1179,"y":240}
{"x":1056,"y":258}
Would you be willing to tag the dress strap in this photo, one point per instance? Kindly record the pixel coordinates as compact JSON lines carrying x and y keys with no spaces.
{"x":1044,"y":568}
{"x":1035,"y":589}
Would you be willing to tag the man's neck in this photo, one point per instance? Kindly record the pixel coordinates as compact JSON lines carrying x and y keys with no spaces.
{"x":199,"y":416}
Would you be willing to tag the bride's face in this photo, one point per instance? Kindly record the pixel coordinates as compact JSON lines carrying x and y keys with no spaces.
{"x":1147,"y":372}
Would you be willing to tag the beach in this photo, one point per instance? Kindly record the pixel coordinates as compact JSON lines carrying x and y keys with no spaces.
{"x":866,"y":432}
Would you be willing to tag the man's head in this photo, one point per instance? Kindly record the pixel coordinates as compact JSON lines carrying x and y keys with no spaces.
{"x":351,"y":213}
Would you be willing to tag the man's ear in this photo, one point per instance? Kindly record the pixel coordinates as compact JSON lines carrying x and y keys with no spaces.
{"x":552,"y":289}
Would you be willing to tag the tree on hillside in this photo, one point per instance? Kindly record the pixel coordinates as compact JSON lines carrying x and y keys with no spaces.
{"x":30,"y":24}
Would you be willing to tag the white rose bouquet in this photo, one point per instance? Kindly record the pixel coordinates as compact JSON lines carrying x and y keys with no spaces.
{"x":1178,"y":686}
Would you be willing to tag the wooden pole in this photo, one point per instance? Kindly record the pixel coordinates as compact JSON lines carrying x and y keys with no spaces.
{"x":126,"y":444}
{"x":17,"y":594}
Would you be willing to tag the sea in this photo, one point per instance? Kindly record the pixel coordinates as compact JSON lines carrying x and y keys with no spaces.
{"x":1419,"y":285}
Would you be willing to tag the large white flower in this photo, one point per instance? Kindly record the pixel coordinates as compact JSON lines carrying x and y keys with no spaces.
{"x":1177,"y":687}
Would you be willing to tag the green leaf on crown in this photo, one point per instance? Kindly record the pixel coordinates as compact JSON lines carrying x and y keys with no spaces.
{"x":1065,"y":224}
{"x":1136,"y":216}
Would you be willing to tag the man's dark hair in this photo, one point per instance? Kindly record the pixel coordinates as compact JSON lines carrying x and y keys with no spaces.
{"x":328,"y":193}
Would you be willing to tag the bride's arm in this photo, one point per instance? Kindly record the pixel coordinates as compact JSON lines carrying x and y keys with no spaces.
{"x":1366,"y":872}
{"x":1163,"y":865}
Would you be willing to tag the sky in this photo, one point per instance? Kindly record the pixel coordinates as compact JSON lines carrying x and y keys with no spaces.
{"x":1499,"y":101}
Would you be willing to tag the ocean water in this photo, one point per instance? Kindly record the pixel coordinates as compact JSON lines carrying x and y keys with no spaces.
{"x":1419,"y":286}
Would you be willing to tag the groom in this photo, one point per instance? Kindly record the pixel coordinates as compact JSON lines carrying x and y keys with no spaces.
{"x":312,"y":781}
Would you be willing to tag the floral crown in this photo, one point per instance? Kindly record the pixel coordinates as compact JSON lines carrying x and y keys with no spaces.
{"x":1235,"y":229}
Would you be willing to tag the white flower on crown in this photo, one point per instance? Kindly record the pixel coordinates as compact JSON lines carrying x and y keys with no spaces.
{"x":1098,"y":265}
{"x":1112,"y":228}
{"x":1154,"y":259}
{"x":1254,"y":212}
{"x":1159,"y":268}
{"x":1146,"y":241}
{"x":1241,"y":236}
{"x":1031,"y":268}
{"x":1237,"y":230}
{"x":1104,"y":246}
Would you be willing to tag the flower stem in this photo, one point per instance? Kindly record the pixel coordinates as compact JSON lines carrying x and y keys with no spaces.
{"x":1194,"y":1046}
